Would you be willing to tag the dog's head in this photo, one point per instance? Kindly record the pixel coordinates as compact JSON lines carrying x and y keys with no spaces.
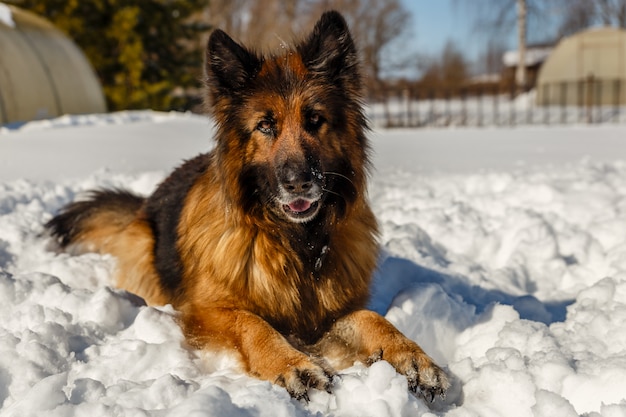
{"x":290,"y":136}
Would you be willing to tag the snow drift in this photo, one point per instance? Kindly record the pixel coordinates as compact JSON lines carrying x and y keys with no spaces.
{"x":504,"y":256}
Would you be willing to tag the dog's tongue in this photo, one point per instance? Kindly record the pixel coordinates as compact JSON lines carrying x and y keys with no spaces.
{"x":299,"y":206}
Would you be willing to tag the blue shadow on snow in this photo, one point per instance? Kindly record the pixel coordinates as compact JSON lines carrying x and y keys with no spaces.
{"x":395,"y":275}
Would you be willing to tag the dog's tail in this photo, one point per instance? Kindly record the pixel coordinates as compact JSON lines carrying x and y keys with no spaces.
{"x":93,"y":224}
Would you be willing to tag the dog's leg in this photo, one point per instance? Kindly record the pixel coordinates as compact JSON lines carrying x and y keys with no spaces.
{"x":367,"y":337}
{"x":262,"y":350}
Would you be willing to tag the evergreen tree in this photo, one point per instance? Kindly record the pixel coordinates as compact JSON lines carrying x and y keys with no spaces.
{"x":145,"y":52}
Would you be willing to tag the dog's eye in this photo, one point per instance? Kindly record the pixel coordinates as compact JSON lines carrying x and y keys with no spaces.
{"x":265,"y":127}
{"x":314,"y":121}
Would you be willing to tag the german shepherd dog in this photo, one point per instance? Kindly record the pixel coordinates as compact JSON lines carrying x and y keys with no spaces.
{"x":266,"y":245}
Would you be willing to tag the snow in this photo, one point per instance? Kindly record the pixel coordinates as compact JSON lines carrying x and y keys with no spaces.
{"x":533,"y":56}
{"x":6,"y":16}
{"x":504,"y":256}
{"x":162,"y":147}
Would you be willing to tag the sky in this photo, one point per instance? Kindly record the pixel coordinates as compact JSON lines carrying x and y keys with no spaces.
{"x":434,"y":22}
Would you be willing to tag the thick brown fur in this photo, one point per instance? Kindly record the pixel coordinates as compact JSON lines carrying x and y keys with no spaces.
{"x":267,"y":244}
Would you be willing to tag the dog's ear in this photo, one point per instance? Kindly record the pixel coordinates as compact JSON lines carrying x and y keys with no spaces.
{"x":330,"y":51}
{"x":229,"y":66}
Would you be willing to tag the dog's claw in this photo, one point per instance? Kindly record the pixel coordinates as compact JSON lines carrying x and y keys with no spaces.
{"x":427,"y":382}
{"x":329,"y":388}
{"x":429,"y":395}
{"x":298,"y":381}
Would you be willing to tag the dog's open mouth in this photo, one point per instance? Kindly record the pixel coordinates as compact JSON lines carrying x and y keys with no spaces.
{"x":301,"y":210}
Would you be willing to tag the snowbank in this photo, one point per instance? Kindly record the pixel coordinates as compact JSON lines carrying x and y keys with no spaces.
{"x":515,"y":279}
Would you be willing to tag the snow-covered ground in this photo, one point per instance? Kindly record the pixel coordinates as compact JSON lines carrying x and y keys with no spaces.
{"x":504,"y":257}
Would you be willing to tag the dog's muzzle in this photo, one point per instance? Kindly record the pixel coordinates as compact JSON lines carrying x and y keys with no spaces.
{"x":300,"y":194}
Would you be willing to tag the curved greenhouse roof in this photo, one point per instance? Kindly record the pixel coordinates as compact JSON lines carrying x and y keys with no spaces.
{"x":586,"y":68}
{"x":42,"y":71}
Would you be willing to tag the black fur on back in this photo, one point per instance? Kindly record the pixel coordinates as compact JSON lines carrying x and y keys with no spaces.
{"x":66,"y":226}
{"x":163,"y":210}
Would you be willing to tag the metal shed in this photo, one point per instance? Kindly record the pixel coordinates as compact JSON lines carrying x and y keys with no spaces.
{"x":42,"y":71}
{"x":585,"y":69}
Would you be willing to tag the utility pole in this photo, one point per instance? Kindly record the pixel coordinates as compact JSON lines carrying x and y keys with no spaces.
{"x":520,"y":75}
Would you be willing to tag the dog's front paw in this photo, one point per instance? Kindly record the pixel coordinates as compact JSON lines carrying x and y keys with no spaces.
{"x":425,"y":378}
{"x":298,"y":376}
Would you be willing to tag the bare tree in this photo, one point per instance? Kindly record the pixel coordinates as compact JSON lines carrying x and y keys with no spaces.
{"x":496,"y":18}
{"x":612,"y":12}
{"x":454,"y":67}
{"x":260,"y":24}
{"x":376,"y":25}
{"x":577,"y":15}
{"x":491,"y":59}
{"x":228,"y":15}
{"x":446,"y":74}
{"x":581,"y":14}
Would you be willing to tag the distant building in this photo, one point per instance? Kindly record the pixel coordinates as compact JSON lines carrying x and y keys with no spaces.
{"x":42,"y":72}
{"x":587,"y":68}
{"x":534,"y":57}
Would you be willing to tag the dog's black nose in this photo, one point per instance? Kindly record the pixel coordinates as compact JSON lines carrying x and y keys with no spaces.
{"x":296,"y":181}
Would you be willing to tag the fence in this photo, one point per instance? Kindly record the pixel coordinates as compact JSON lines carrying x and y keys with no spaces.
{"x":587,"y":101}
